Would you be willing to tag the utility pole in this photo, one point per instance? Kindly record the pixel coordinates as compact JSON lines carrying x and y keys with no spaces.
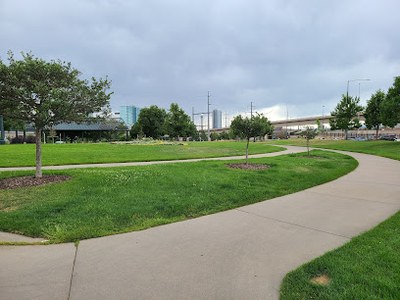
{"x":251,"y":109}
{"x":208,"y":116}
{"x":287,"y":120}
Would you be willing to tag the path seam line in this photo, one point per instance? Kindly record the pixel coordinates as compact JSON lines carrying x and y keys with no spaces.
{"x":352,"y":198}
{"x":72,"y":271}
{"x":293,"y":224}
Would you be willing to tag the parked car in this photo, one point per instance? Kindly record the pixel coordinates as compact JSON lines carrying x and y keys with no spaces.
{"x":388,"y":137}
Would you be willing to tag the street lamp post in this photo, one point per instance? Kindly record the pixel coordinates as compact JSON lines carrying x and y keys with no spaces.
{"x":351,"y":80}
{"x":208,"y":117}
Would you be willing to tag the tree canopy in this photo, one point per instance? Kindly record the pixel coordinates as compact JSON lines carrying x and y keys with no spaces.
{"x":178,"y":123}
{"x":344,"y":116}
{"x":44,"y":94}
{"x":391,"y":105}
{"x":151,"y":121}
{"x":309,"y":133}
{"x":373,"y":111}
{"x":247,"y":128}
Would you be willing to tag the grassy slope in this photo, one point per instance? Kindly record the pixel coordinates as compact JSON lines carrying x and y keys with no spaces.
{"x":368,"y":267}
{"x":99,"y":202}
{"x":387,"y":149}
{"x":61,"y":154}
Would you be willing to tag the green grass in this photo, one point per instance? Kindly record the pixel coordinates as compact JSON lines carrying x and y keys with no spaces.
{"x":61,"y":154}
{"x":387,"y":149}
{"x":104,"y":201}
{"x":368,"y":267}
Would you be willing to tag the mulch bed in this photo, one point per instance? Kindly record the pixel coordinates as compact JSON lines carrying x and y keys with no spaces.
{"x":250,"y":166}
{"x":26,"y":181}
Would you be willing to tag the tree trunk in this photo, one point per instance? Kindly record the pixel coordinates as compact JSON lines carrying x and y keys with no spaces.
{"x":38,"y":132}
{"x":247,"y":151}
{"x":308,"y":147}
{"x":346,"y":132}
{"x":377,"y":132}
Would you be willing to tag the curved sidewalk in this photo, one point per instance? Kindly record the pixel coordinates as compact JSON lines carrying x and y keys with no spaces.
{"x":238,"y":254}
{"x":290,"y":149}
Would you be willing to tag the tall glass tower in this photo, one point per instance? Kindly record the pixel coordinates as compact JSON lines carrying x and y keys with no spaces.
{"x":217,"y":118}
{"x":129,"y":114}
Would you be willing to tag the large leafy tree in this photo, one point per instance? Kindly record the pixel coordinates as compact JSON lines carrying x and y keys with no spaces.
{"x":178,"y":123}
{"x":391,"y":105}
{"x":345,"y":115}
{"x":45,"y":93}
{"x":247,"y":128}
{"x":151,"y":121}
{"x":373,"y":111}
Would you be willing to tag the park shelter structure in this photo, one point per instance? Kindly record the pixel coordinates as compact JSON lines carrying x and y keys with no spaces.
{"x":70,"y":132}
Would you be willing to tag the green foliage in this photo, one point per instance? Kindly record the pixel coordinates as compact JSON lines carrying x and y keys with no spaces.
{"x":214,"y":136}
{"x":309,"y":134}
{"x":203,"y":135}
{"x":344,"y":116}
{"x":224,"y":135}
{"x":47,"y":93}
{"x":246,"y":128}
{"x":151,"y":121}
{"x":178,"y":123}
{"x":104,"y":201}
{"x":391,"y":105}
{"x":373,"y":111}
{"x":320,"y":126}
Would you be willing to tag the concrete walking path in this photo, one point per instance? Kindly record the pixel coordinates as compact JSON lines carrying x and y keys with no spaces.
{"x":290,"y":149}
{"x":242,"y":253}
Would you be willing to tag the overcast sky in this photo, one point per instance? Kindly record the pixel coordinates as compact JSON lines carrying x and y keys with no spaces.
{"x":283,"y":54}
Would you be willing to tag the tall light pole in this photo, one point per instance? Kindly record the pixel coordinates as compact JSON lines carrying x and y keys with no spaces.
{"x":208,"y":116}
{"x":351,"y":80}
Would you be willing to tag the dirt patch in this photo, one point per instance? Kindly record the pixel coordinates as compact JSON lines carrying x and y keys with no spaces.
{"x":248,"y":166}
{"x":321,"y":280}
{"x":26,"y":181}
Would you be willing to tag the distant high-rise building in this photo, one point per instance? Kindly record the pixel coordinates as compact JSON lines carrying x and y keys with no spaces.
{"x":129,"y":114}
{"x":217,"y":118}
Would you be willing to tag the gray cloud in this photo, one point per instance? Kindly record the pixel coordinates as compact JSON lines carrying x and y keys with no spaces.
{"x":274,"y":53}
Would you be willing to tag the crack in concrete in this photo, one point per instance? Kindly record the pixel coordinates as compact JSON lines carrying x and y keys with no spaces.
{"x":72,"y":271}
{"x":294,"y":224}
{"x":352,"y":198}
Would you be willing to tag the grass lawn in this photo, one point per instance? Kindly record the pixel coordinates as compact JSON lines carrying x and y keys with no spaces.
{"x":368,"y":267}
{"x":387,"y":149}
{"x":104,"y":201}
{"x":61,"y":154}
